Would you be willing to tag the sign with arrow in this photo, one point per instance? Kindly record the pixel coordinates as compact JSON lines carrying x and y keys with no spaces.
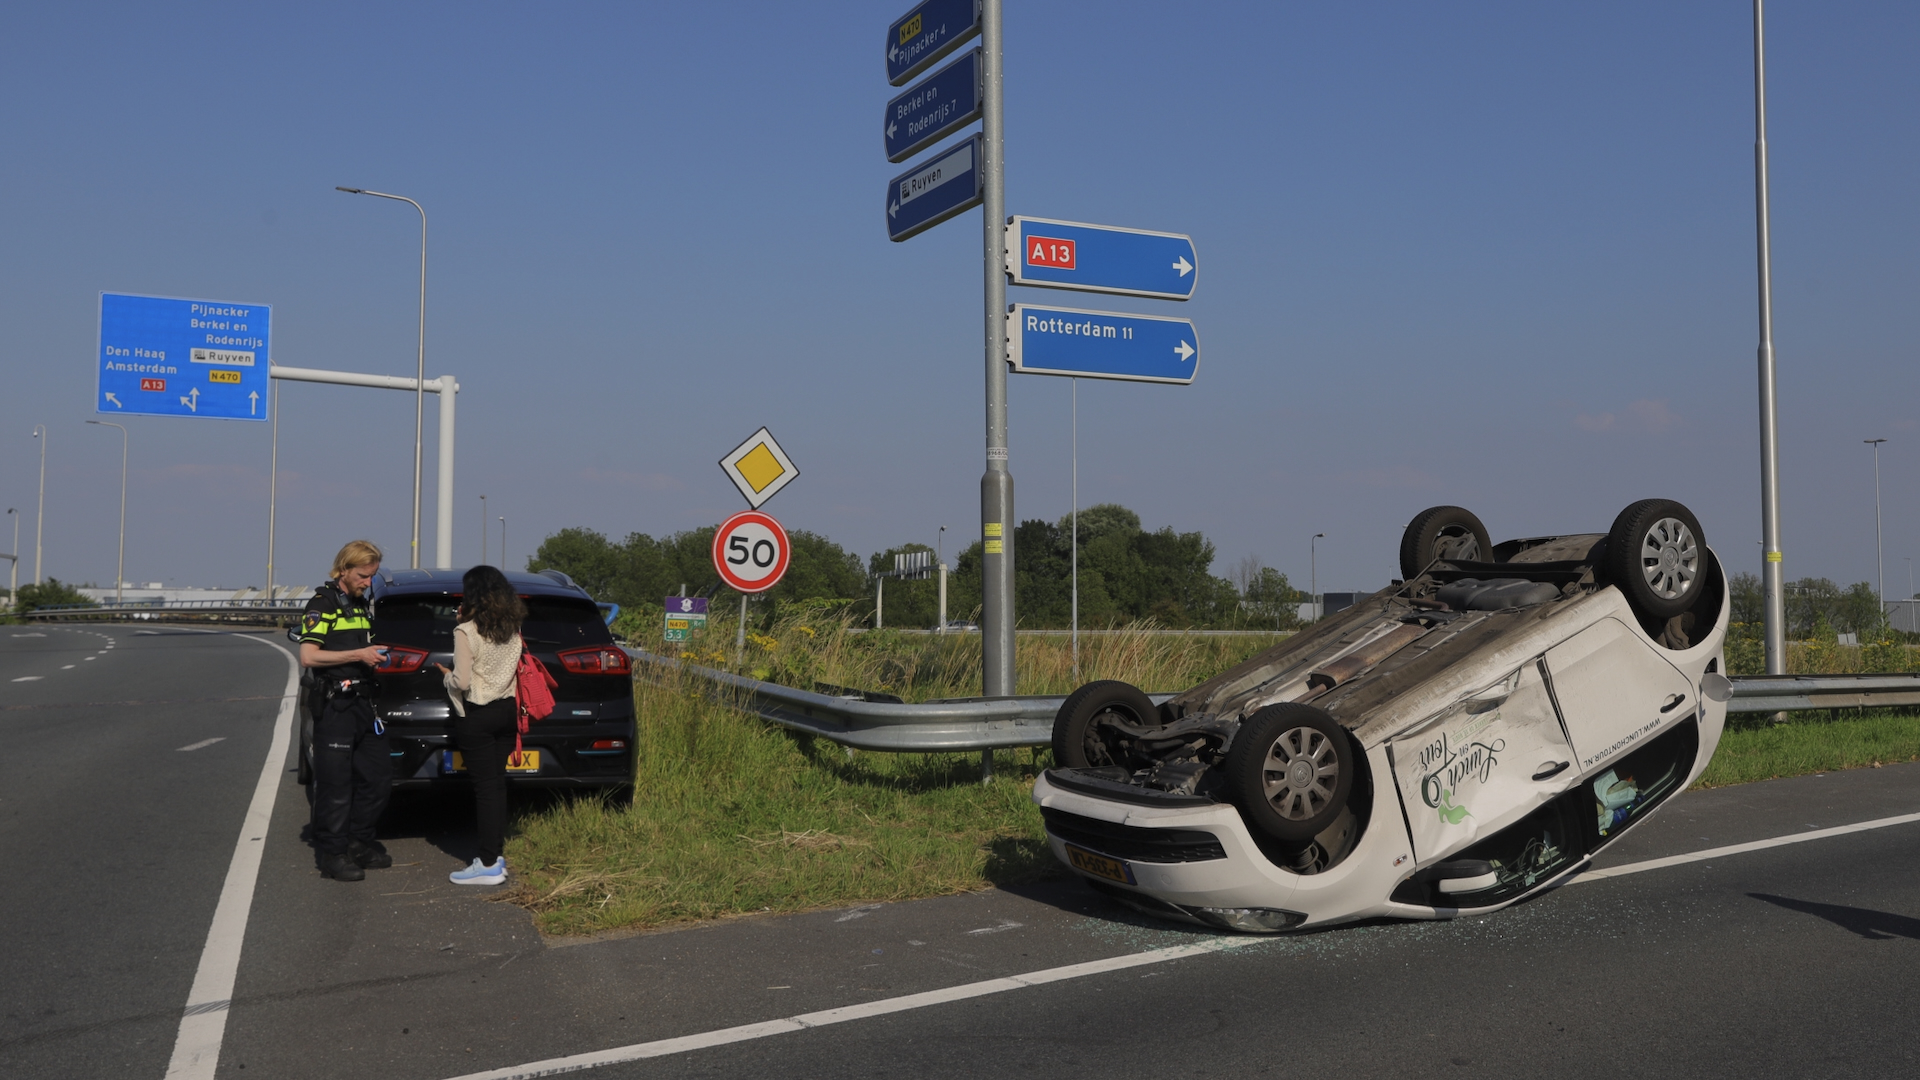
{"x":1102,"y":345}
{"x":162,"y":356}
{"x":945,"y":102}
{"x":930,"y":194}
{"x":1101,"y":258}
{"x":920,"y":38}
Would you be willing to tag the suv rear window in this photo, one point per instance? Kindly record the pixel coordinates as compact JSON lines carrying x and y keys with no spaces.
{"x":426,"y":620}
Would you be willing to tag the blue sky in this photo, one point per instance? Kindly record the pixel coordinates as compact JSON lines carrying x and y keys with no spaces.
{"x":1493,"y":254}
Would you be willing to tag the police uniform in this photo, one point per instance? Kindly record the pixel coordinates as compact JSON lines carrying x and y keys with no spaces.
{"x":352,"y":772}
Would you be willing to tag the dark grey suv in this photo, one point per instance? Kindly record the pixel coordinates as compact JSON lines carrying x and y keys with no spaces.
{"x":589,"y":739}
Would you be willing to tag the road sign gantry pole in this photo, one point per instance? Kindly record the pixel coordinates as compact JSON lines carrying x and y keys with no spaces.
{"x":1771,"y":571}
{"x":996,"y":486}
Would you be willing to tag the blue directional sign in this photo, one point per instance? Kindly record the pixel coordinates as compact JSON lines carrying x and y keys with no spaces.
{"x":934,"y":28}
{"x":930,"y":194}
{"x":1101,"y":345}
{"x":1101,"y":258}
{"x":160,"y":356}
{"x":947,"y":101}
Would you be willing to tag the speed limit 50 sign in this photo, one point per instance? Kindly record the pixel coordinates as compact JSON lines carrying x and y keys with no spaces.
{"x":750,"y":551}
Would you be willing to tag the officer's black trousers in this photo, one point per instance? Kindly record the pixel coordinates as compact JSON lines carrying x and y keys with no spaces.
{"x":352,"y":774}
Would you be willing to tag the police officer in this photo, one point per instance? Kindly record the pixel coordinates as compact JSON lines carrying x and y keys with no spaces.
{"x":352,"y":774}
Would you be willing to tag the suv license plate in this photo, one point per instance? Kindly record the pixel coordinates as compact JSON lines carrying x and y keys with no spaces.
{"x":452,"y":762}
{"x":1088,"y":862}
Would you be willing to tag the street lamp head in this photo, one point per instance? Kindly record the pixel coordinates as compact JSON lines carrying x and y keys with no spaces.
{"x":1873,"y":442}
{"x":1318,"y":536}
{"x":350,"y":190}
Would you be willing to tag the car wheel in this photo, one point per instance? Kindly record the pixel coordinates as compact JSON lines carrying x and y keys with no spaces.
{"x":1077,"y":743}
{"x":1442,"y":532}
{"x":1657,"y":556}
{"x":1290,"y":769}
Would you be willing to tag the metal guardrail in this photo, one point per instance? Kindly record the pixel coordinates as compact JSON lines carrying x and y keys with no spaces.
{"x":1785,"y":693}
{"x":879,"y":722}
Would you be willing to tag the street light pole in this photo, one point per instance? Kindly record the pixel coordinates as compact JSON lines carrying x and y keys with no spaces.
{"x":1772,"y":576}
{"x":420,"y":391}
{"x":40,"y":511}
{"x":120,"y":574}
{"x":503,"y":544}
{"x":1313,"y":573}
{"x":483,"y":531}
{"x":13,"y":584}
{"x":1879,"y":555}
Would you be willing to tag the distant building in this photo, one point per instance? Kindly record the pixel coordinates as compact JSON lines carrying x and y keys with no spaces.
{"x":1330,"y":602}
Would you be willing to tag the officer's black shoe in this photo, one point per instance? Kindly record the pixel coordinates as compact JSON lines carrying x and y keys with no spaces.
{"x":341,"y":867}
{"x":370,"y":855}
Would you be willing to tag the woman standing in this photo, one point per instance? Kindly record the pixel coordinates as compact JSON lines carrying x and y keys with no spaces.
{"x":486,"y":655}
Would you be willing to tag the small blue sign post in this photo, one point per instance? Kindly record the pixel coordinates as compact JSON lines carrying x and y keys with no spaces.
{"x":161,"y":356}
{"x":917,"y":40}
{"x":944,"y":102}
{"x":929,"y":194}
{"x":1102,"y":345}
{"x":1101,"y":258}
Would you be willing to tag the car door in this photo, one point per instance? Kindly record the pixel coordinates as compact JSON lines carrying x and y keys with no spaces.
{"x":1615,"y":691}
{"x":1481,"y":765}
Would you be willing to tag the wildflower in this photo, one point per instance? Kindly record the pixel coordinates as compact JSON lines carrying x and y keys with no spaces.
{"x":807,"y":630}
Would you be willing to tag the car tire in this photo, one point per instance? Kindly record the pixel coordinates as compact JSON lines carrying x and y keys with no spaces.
{"x":1290,"y":770}
{"x":1657,"y":555}
{"x":1442,"y":532}
{"x":1076,"y":744}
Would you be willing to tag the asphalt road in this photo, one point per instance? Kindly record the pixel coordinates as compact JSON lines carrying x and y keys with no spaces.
{"x":1799,"y":960}
{"x":115,"y":838}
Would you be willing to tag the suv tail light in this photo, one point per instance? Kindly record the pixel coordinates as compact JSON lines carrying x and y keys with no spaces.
{"x":402,"y":660}
{"x":598,"y":660}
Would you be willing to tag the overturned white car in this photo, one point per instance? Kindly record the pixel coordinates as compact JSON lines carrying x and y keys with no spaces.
{"x":1470,"y":735}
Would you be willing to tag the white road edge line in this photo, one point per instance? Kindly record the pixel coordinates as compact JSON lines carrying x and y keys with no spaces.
{"x":745,"y":1032}
{"x":203,"y":1026}
{"x":1740,"y":849}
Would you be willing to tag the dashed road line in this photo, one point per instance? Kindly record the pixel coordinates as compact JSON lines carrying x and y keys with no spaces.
{"x":202,"y":744}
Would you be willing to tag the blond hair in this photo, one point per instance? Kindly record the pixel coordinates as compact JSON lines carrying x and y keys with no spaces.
{"x":356,"y":553}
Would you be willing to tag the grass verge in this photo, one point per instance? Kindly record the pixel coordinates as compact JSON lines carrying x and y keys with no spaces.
{"x":1813,"y":742}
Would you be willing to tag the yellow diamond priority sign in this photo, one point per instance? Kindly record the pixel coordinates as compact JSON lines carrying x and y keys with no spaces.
{"x":759,"y":468}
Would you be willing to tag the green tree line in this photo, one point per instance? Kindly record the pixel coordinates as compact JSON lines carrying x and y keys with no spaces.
{"x":1127,"y":573}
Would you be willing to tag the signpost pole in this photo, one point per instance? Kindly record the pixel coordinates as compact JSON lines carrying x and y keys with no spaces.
{"x":996,"y":486}
{"x":1771,"y":576}
{"x":273,"y":475}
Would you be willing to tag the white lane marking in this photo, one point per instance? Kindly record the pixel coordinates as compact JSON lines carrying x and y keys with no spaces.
{"x":30,"y":678}
{"x":858,"y":913}
{"x":66,"y":667}
{"x":155,"y":633}
{"x":663,"y":1047}
{"x":86,"y":658}
{"x":745,"y":1032}
{"x":196,"y":1049}
{"x":202,"y":744}
{"x":29,"y":635}
{"x":1739,"y":849}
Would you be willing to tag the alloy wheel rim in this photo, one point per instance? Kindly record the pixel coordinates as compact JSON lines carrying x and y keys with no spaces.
{"x":1669,"y":558}
{"x":1300,"y":773}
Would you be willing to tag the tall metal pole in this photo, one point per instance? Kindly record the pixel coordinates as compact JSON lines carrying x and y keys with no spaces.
{"x":483,"y":530}
{"x":13,"y":584}
{"x":1313,"y":573}
{"x":420,"y":393}
{"x":503,"y":542}
{"x":443,"y":483}
{"x":996,"y":486}
{"x":1076,"y":530}
{"x":40,"y":510}
{"x":941,"y":542}
{"x":120,"y":573}
{"x":273,"y":476}
{"x":1879,"y":553}
{"x":1772,"y":579}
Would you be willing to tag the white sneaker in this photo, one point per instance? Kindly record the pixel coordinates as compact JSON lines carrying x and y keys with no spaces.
{"x":480,"y":873}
